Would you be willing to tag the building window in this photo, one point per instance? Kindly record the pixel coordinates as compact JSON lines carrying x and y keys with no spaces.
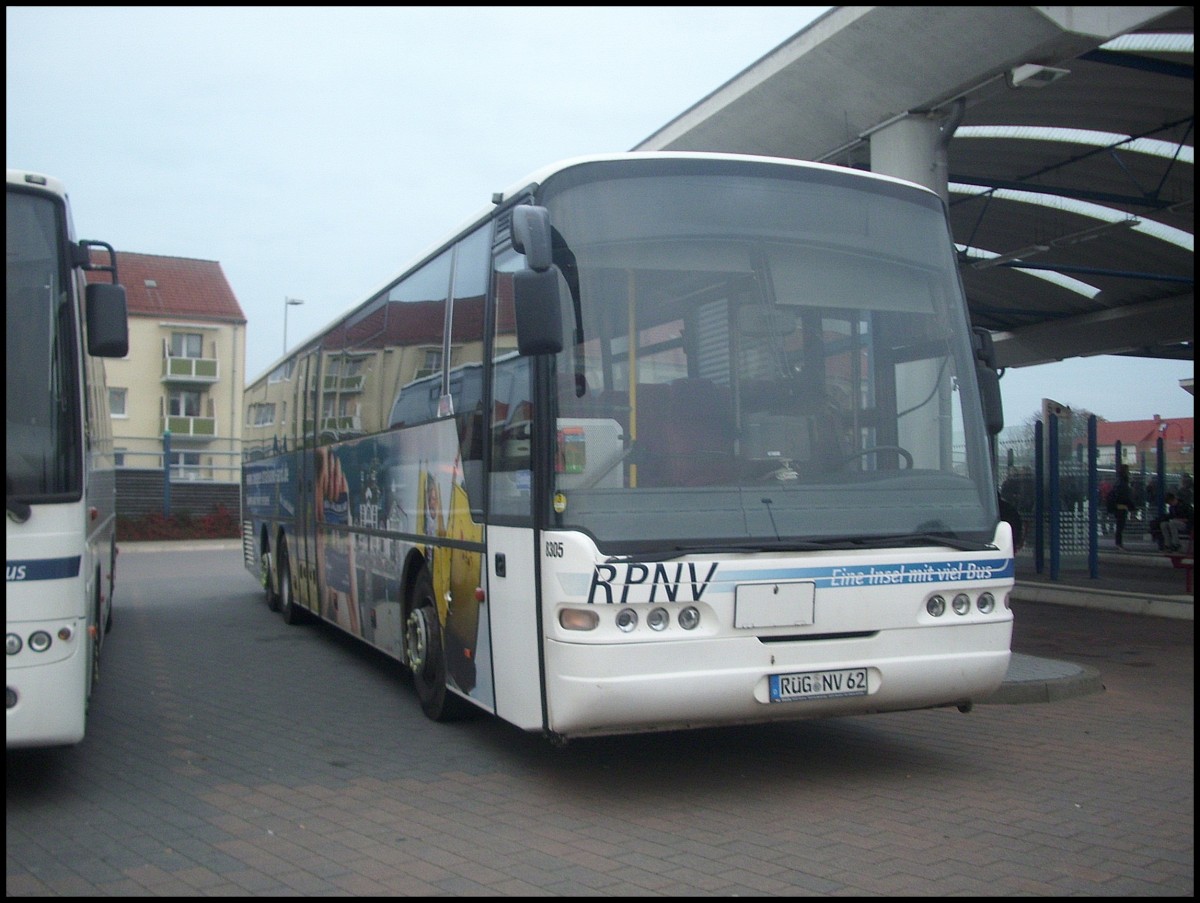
{"x":116,"y":402}
{"x":185,"y":403}
{"x":185,"y":465}
{"x":119,"y":457}
{"x":262,"y":414}
{"x":283,"y":372}
{"x":187,"y":344}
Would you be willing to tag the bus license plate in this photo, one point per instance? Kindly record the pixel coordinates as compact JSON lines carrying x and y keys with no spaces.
{"x":818,"y":684}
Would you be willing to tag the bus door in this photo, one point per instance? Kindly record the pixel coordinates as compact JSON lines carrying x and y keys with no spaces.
{"x":511,"y":565}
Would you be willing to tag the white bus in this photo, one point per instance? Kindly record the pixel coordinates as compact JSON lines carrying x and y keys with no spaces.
{"x":60,"y":546}
{"x":656,"y":441}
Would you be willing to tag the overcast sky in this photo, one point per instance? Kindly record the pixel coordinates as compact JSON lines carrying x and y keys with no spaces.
{"x":314,"y":152}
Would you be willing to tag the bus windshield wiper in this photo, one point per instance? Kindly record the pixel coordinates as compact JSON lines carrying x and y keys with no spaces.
{"x":921,"y":539}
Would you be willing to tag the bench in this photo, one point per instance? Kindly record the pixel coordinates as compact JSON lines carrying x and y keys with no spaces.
{"x":1184,"y":560}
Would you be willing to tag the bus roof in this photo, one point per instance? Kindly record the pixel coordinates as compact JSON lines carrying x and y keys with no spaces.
{"x":534,"y":179}
{"x":27,"y":178}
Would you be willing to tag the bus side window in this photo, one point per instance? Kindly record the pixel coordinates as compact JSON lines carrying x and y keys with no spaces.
{"x":471,"y":263}
{"x":511,"y":403}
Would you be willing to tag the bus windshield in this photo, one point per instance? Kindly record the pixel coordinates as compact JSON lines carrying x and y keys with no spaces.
{"x":43,"y":432}
{"x":764,"y":358}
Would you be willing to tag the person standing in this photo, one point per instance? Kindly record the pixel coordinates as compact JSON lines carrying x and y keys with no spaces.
{"x":1176,"y":522}
{"x":1122,"y":497}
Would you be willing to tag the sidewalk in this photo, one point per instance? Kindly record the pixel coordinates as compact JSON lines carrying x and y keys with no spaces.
{"x":1139,"y":580}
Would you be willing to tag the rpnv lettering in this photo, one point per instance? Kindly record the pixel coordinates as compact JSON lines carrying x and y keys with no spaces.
{"x":646,"y":584}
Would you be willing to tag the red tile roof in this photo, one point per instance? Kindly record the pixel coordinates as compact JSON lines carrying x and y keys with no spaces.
{"x":1143,"y":433}
{"x":174,"y":287}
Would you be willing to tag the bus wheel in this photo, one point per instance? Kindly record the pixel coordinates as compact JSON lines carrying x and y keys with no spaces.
{"x":269,"y":580}
{"x":425,"y":658}
{"x":286,"y":602}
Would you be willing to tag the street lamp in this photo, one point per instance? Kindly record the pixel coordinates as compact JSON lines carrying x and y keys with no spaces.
{"x":288,"y":302}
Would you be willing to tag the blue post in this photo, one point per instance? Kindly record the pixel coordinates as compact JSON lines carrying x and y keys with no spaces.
{"x":166,"y":473}
{"x":1039,"y":468}
{"x":1119,"y":457}
{"x":1093,"y":494}
{"x":1055,"y":499}
{"x":1161,"y":476}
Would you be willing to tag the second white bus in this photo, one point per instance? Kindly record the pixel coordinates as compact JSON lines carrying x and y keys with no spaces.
{"x":60,"y":539}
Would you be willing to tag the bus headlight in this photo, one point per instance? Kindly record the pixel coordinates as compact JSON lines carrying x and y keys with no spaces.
{"x":986,"y":603}
{"x":12,"y":644}
{"x":39,"y":641}
{"x":961,"y":604}
{"x":627,"y":619}
{"x":936,"y":606}
{"x":689,"y":617}
{"x":578,"y":619}
{"x":658,"y":619}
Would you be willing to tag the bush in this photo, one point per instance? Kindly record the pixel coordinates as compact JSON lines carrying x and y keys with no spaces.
{"x":220,"y":523}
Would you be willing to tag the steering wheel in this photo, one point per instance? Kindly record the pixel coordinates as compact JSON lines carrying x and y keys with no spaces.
{"x":900,"y":453}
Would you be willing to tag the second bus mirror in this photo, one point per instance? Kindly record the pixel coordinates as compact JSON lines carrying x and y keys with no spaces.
{"x":107,"y":325}
{"x":538,"y":312}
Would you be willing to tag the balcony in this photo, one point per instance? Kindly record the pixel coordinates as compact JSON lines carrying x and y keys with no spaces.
{"x":190,"y":370}
{"x":181,"y":368}
{"x":340,"y":427}
{"x":343,"y":385}
{"x":190,"y":428}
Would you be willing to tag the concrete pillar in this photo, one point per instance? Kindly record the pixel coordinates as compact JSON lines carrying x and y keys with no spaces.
{"x":910,"y":148}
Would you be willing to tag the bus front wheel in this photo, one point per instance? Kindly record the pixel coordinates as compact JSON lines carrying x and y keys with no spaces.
{"x":425,"y":657}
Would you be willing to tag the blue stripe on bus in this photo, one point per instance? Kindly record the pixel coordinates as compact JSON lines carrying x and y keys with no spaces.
{"x":41,"y":569}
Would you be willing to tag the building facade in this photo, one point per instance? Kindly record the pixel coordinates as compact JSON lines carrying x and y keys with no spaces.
{"x":176,"y":398}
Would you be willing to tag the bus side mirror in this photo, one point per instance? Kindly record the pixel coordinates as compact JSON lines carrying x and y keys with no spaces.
{"x":989,"y":382}
{"x":535,"y":290}
{"x":538,"y":312}
{"x":989,"y":397}
{"x":107,"y":324}
{"x":531,"y":236}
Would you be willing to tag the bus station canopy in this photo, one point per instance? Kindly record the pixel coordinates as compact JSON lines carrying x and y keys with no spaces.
{"x":1069,"y":141}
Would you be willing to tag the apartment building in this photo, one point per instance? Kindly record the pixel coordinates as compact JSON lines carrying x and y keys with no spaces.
{"x":179,"y":390}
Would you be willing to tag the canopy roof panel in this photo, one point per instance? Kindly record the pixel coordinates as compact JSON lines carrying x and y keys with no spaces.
{"x":1070,"y":165}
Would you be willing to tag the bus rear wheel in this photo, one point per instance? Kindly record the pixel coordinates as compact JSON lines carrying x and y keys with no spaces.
{"x":269,"y":580}
{"x":425,"y":657}
{"x":292,"y":613}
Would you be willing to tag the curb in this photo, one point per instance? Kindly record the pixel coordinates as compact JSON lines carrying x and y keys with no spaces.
{"x":1032,"y":680}
{"x":1181,"y":607}
{"x":179,"y":545}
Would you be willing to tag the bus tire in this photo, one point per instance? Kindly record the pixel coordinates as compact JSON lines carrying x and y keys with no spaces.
{"x":425,"y":657}
{"x":270,"y":579}
{"x":287,"y":602}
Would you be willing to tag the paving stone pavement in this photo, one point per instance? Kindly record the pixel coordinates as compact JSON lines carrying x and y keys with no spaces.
{"x":230,"y":754}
